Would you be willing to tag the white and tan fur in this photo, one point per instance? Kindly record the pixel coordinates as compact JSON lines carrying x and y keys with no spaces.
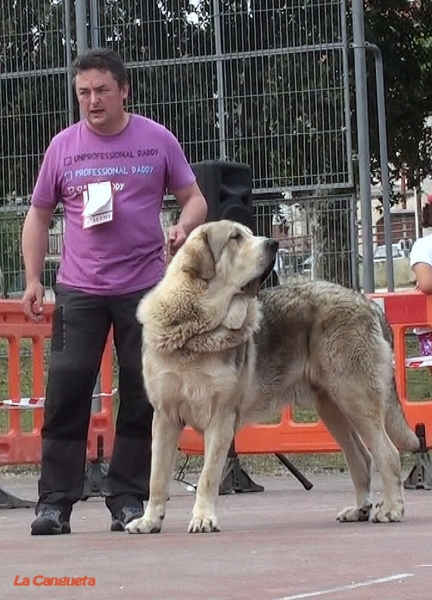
{"x":214,"y":357}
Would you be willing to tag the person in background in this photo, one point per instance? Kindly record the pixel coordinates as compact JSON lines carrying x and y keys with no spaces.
{"x":421,"y":265}
{"x":110,"y":171}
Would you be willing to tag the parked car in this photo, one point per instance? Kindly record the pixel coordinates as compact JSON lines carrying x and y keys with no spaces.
{"x":287,"y":263}
{"x":380,"y":254}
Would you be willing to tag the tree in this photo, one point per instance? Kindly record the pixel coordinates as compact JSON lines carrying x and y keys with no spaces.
{"x":403,"y":31}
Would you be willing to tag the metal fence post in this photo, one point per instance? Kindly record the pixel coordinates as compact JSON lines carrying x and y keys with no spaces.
{"x":94,"y":23}
{"x":385,"y":187}
{"x":354,"y":237}
{"x":219,"y":80}
{"x":363,"y":144}
{"x":68,"y":44}
{"x":81,"y":25}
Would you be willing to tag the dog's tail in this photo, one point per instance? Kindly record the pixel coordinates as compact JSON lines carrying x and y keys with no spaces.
{"x":396,"y":425}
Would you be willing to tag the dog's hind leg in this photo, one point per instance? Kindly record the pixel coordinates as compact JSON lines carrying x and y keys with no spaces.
{"x":166,"y":433}
{"x":356,"y":454}
{"x":217,"y":439}
{"x":366,"y":418}
{"x":387,"y":461}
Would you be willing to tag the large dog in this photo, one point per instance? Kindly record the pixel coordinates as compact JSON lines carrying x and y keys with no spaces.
{"x":215,"y":356}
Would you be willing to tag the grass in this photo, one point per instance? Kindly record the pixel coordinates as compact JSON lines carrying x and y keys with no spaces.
{"x":419,"y":387}
{"x":26,"y":383}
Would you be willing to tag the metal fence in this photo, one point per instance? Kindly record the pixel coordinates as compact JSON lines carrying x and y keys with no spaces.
{"x":261,"y":82}
{"x":315,"y":234}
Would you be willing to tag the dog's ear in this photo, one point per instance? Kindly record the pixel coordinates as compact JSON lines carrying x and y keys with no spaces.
{"x":199,"y":260}
{"x":206,"y":250}
{"x":237,"y":313}
{"x":217,"y":237}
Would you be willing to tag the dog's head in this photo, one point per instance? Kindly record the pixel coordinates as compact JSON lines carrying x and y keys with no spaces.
{"x":228,"y":252}
{"x":206,"y":301}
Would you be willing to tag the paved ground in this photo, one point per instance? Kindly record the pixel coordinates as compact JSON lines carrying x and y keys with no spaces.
{"x":283,"y":543}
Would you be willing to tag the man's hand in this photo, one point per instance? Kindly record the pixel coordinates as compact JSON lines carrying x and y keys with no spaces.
{"x":176,"y":237}
{"x":193,"y":213}
{"x":33,"y":301}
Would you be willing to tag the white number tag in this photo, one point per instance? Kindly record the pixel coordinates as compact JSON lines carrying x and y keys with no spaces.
{"x":98,"y":204}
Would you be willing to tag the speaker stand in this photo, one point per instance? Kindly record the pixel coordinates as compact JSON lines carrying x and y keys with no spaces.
{"x":293,"y":469}
{"x":420,"y":476}
{"x":95,"y":475}
{"x":10,"y":501}
{"x":234,"y":477}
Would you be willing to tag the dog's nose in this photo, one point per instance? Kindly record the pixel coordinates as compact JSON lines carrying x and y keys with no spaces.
{"x":273,"y":245}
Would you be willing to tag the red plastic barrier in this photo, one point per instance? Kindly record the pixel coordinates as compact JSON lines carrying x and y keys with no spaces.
{"x":404,"y":310}
{"x":23,"y":447}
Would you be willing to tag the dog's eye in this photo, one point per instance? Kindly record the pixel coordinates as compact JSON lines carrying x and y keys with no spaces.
{"x":237,"y":236}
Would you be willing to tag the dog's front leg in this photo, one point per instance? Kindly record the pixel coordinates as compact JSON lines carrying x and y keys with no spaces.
{"x":217,"y":440}
{"x":166,"y":433}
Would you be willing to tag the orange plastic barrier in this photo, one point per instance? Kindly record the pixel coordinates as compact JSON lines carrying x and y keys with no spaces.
{"x":404,"y":310}
{"x":23,"y":447}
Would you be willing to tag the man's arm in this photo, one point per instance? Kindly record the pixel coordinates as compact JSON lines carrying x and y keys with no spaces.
{"x":34,"y":247}
{"x":194,"y":211}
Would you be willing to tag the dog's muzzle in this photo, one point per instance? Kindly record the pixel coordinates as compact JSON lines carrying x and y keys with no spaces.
{"x":252,"y":288}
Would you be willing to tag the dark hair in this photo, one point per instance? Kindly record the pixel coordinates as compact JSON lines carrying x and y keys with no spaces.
{"x":103,"y":59}
{"x":426,"y":220}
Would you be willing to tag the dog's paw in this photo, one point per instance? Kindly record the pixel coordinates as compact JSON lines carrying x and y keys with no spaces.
{"x":143,"y":525}
{"x":353,"y":514}
{"x":386,"y":513}
{"x":203,"y":524}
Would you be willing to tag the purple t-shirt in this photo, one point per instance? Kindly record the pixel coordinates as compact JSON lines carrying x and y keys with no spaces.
{"x":142,"y":162}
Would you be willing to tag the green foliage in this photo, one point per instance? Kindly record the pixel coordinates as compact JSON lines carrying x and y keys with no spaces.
{"x":402,"y":29}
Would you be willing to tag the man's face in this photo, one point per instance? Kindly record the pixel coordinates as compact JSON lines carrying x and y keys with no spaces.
{"x":101,"y":100}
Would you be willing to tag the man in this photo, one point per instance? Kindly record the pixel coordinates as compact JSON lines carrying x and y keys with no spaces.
{"x":110,"y":171}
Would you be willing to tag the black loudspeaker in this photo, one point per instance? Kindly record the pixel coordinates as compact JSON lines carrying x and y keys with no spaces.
{"x":227,"y":187}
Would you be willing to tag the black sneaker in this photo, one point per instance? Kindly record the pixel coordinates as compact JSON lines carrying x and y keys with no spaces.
{"x":124,"y":516}
{"x":51,"y":520}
